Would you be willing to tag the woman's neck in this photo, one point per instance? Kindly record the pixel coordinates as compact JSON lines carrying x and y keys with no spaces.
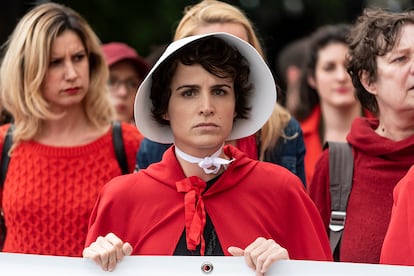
{"x":395,"y":127}
{"x":70,"y":130}
{"x":192,"y":168}
{"x":338,"y":121}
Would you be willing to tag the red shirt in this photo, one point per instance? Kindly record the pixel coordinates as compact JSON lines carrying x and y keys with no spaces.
{"x":250,"y":199}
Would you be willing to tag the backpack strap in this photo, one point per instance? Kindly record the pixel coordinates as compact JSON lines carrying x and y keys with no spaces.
{"x":341,"y":169}
{"x":116,"y":136}
{"x":119,"y":147}
{"x":5,"y":158}
{"x":4,"y":163}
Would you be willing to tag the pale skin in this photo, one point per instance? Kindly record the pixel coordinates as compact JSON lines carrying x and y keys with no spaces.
{"x":125,"y":82}
{"x":201,"y":112}
{"x":336,"y":92}
{"x":235,"y":29}
{"x":394,"y":88}
{"x":64,"y":87}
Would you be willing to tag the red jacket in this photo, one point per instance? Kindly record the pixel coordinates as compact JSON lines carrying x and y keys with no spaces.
{"x":250,"y":199}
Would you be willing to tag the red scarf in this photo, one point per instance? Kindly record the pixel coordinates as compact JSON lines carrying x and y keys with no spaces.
{"x":195,"y":214}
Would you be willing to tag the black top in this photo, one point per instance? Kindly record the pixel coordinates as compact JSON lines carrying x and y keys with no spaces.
{"x":213,"y":246}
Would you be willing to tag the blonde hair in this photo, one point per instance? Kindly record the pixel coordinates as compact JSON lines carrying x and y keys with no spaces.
{"x":26,"y":63}
{"x":212,"y":11}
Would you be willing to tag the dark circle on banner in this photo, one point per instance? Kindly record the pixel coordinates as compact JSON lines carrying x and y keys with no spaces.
{"x":207,"y":268}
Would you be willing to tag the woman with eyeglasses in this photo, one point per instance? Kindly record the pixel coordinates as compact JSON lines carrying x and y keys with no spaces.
{"x":127,"y":69}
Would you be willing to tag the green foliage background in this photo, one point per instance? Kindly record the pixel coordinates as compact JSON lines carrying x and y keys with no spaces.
{"x":145,"y":24}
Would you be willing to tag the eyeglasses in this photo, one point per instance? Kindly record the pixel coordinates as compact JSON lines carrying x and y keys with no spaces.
{"x":130,"y":84}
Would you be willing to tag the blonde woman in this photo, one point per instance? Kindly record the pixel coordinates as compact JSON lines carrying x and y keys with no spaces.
{"x":53,"y":82}
{"x":280,"y":140}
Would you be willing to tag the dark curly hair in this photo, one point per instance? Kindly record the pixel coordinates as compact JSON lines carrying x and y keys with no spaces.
{"x":375,"y":33}
{"x":215,"y":56}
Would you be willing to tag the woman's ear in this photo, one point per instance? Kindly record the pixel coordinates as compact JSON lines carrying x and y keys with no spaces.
{"x":311,"y":81}
{"x":166,"y":117}
{"x":368,"y":84}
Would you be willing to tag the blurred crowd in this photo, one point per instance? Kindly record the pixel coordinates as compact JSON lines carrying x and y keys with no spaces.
{"x":102,"y":156}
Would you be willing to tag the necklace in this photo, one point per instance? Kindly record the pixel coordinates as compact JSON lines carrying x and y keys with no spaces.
{"x":210,"y":164}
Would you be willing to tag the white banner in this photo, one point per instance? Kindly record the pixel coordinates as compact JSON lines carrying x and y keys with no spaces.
{"x":37,"y":265}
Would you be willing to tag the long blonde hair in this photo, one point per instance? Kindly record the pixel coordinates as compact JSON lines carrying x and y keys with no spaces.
{"x":212,"y":11}
{"x":26,"y":62}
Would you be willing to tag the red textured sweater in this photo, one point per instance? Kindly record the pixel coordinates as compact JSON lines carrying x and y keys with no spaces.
{"x":379,"y":164}
{"x":49,"y":192}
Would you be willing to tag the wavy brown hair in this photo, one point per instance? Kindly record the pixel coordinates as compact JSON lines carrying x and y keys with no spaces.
{"x":375,"y":33}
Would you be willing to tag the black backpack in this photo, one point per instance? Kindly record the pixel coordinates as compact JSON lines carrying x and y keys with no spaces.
{"x":5,"y":159}
{"x":341,"y":169}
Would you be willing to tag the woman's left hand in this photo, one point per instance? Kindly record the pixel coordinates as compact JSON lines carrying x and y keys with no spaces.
{"x":260,"y":254}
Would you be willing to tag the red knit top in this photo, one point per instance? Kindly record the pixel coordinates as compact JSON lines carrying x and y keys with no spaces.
{"x":49,"y":191}
{"x":379,"y":163}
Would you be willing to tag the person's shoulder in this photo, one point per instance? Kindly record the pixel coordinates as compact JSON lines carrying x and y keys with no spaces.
{"x":323,"y":158}
{"x":278,"y":179}
{"x":129,"y":127}
{"x":3,"y":130}
{"x":131,"y":132}
{"x":293,"y":127}
{"x":124,"y":183}
{"x":406,"y":185}
{"x":147,"y":143}
{"x":273,"y":171}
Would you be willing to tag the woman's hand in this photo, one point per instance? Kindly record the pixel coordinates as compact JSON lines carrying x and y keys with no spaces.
{"x":260,"y":254}
{"x":107,"y":251}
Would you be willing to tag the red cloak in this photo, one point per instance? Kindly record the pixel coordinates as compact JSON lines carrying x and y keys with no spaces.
{"x":251,"y":199}
{"x":398,"y":246}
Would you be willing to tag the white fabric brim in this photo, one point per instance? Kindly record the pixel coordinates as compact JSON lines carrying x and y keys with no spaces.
{"x":262,"y":100}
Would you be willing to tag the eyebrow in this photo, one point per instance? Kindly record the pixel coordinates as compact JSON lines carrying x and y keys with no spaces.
{"x":78,"y":52}
{"x":196,"y":85}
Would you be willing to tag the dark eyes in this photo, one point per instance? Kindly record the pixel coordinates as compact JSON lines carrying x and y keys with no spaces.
{"x":399,"y":59}
{"x":219,"y":92}
{"x":79,"y":57}
{"x":188,"y":92}
{"x":193,"y":92}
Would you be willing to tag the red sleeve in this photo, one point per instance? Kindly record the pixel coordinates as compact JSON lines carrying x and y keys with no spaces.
{"x":398,"y":246}
{"x":319,"y":188}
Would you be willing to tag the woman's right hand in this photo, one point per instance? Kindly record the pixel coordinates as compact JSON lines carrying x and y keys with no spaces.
{"x":107,"y":251}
